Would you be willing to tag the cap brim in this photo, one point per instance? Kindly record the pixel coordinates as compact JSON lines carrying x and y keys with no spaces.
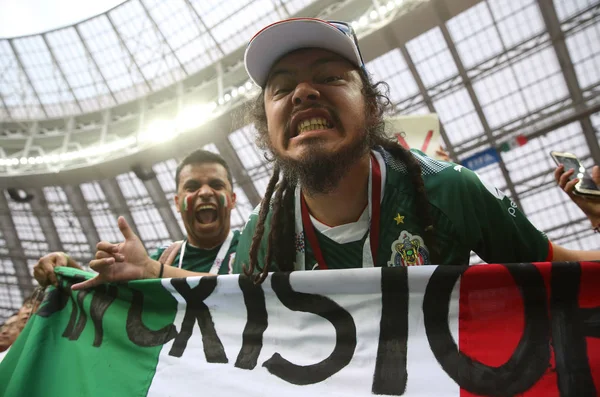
{"x":283,"y":37}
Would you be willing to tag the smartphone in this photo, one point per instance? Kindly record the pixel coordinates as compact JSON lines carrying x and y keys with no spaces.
{"x":585,"y":186}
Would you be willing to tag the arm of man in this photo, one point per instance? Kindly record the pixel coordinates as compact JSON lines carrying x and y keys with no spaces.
{"x":562,"y":254}
{"x":503,"y":233}
{"x":128,"y":261}
{"x":153,"y":271}
{"x":485,"y":220}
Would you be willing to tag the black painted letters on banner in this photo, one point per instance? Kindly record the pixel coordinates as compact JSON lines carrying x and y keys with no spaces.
{"x":256,"y":324}
{"x":342,"y":321}
{"x":197,"y":311}
{"x":528,"y":362}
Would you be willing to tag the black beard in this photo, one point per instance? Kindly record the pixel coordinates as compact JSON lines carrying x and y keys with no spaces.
{"x":318,"y":171}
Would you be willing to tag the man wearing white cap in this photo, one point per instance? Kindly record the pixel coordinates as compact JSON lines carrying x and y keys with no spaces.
{"x":348,"y":196}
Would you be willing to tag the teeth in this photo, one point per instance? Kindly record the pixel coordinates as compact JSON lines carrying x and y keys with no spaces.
{"x":206,"y":207}
{"x":315,"y":123}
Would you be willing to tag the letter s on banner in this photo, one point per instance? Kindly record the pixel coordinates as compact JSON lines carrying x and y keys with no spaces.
{"x":342,"y":321}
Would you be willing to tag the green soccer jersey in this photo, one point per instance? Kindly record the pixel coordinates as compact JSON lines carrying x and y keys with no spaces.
{"x":469,"y":215}
{"x":201,"y":260}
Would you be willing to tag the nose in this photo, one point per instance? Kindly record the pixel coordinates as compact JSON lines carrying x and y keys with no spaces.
{"x":205,"y":191}
{"x":305,"y":92}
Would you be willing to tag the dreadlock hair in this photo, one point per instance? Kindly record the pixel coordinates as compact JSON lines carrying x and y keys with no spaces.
{"x":281,"y":240}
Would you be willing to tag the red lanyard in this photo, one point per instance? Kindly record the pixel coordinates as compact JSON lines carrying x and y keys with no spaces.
{"x":374,"y":218}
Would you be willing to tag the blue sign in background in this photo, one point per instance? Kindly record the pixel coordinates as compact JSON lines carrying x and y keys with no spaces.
{"x":482,"y":159}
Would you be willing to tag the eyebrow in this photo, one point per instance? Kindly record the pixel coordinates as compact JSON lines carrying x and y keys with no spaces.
{"x":210,"y":180}
{"x":318,"y":62}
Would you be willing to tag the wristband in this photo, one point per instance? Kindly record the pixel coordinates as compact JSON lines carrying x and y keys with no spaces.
{"x":162,"y":268}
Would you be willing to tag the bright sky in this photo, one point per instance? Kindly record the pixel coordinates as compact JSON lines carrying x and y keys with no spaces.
{"x":24,"y":17}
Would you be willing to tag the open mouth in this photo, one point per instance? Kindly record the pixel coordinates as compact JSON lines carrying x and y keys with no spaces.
{"x":313,"y":124}
{"x":206,"y":213}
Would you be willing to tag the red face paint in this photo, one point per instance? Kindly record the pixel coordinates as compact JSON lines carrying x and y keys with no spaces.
{"x":189,"y":202}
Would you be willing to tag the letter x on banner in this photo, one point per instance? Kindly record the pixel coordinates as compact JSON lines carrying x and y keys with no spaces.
{"x":529,"y":330}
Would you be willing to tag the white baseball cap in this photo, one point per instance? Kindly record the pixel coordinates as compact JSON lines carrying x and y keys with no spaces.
{"x":282,"y":37}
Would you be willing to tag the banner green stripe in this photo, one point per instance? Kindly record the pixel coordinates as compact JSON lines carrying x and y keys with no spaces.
{"x":109,"y":348}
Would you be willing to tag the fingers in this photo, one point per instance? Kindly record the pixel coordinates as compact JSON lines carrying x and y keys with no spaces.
{"x":100,"y":264}
{"x":44,"y":277}
{"x":125,"y":229}
{"x":107,"y":247}
{"x":106,"y":250}
{"x":87,"y":283}
{"x":104,"y":255}
{"x":570,"y":186}
{"x":558,"y":172}
{"x":60,"y":259}
{"x":596,"y":175}
{"x":70,"y":262}
{"x":43,"y":271}
{"x":564,"y":178}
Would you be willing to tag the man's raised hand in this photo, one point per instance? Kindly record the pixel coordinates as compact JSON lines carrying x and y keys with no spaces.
{"x":125,"y":261}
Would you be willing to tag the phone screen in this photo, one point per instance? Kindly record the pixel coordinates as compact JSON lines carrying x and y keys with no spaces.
{"x":571,"y":163}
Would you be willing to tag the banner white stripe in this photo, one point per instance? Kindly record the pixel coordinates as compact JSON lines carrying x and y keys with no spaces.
{"x":425,"y":376}
{"x":304,"y":339}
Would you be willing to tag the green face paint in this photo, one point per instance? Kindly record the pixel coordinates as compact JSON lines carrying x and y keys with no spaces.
{"x":223,"y":200}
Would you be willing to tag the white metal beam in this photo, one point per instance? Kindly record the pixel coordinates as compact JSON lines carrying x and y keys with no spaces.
{"x":557,"y":38}
{"x":15,"y":249}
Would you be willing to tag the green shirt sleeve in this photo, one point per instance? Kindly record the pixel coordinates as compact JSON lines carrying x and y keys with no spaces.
{"x":229,"y":267}
{"x":487,"y":220}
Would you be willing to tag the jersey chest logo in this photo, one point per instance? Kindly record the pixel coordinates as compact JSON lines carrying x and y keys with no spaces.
{"x":409,"y":250}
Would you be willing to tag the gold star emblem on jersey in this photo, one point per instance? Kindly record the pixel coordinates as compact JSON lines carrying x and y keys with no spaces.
{"x":399,"y":219}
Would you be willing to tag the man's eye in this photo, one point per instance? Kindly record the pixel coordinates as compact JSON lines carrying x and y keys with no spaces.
{"x":280,"y":91}
{"x":332,"y":79}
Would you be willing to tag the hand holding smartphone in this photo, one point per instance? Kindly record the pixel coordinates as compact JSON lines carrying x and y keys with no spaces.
{"x":586,"y":186}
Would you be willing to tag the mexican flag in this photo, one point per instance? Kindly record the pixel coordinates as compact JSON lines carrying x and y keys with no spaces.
{"x":530,"y":329}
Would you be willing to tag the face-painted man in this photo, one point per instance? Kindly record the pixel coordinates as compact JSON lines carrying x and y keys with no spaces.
{"x":204,"y":200}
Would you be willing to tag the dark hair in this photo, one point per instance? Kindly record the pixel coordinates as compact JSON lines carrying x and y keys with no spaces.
{"x":15,"y":314}
{"x":281,"y":242}
{"x":202,"y":156}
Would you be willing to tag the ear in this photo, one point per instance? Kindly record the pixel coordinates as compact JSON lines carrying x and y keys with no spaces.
{"x":176,"y":198}
{"x":233,"y":200}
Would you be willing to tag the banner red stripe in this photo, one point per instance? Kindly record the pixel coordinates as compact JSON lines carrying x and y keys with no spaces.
{"x":588,"y":299}
{"x":491,"y":322}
